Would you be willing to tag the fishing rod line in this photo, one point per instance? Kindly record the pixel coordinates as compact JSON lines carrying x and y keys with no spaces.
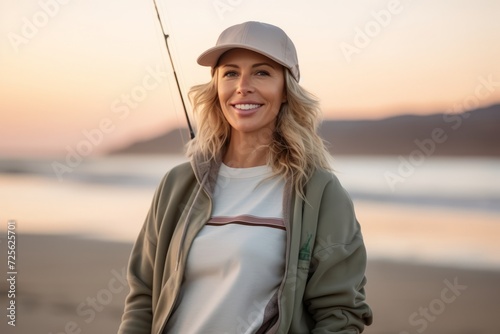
{"x":166,"y":36}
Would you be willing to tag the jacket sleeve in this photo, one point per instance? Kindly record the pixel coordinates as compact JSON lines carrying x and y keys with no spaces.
{"x":138,"y":313}
{"x":335,"y":295}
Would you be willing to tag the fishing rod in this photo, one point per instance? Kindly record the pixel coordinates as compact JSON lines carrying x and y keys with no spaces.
{"x":191,"y":132}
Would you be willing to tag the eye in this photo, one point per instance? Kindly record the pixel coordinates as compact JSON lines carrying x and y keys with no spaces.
{"x":229,"y":74}
{"x":262,"y":73}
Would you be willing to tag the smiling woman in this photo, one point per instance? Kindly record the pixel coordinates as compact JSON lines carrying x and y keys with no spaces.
{"x":251,"y":90}
{"x":255,"y":234}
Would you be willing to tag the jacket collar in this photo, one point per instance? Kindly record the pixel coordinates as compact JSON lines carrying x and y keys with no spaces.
{"x":206,"y":168}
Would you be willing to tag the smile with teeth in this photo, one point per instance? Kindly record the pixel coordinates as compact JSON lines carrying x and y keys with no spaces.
{"x":247,"y":106}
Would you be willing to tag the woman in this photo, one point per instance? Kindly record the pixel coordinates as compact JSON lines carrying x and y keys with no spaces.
{"x":255,"y":234}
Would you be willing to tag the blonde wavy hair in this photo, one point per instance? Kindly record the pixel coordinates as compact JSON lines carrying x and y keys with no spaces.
{"x":295,"y":150}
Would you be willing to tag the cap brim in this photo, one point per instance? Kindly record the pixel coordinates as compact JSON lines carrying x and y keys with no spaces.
{"x":212,"y":55}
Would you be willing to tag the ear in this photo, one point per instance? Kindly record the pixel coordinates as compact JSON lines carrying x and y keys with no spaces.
{"x":284,"y":99}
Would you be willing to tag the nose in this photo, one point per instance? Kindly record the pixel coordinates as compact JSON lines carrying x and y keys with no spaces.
{"x":245,"y":85}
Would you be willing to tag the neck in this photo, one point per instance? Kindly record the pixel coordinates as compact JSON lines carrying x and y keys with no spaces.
{"x":246,"y":151}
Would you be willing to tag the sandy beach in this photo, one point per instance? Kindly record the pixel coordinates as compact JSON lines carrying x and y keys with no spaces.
{"x":434,"y":267}
{"x":67,"y":284}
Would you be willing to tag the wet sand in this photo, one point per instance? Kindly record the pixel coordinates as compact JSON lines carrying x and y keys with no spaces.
{"x":67,"y":284}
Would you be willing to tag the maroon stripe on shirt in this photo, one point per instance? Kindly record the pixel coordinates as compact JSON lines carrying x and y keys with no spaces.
{"x":248,"y":220}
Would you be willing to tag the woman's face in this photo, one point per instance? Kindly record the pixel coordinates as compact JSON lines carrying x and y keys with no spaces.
{"x":251,"y":89}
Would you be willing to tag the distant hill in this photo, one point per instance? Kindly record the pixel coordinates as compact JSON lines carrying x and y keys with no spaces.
{"x":474,"y":133}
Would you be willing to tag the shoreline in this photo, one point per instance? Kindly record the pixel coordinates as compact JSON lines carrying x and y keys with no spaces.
{"x":69,"y":281}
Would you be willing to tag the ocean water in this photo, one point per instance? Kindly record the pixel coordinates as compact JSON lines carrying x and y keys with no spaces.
{"x":438,"y":210}
{"x":441,"y":182}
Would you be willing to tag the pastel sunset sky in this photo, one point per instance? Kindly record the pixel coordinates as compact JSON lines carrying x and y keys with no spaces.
{"x":72,"y":68}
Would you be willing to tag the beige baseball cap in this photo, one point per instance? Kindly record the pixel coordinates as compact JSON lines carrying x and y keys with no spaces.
{"x":259,"y":37}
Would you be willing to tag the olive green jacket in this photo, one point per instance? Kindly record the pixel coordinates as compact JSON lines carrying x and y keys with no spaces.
{"x":323,"y":284}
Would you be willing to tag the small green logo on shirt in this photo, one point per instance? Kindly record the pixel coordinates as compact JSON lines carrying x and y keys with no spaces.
{"x":305,"y":249}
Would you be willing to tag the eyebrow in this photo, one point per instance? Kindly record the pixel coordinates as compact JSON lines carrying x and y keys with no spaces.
{"x":253,"y":66}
